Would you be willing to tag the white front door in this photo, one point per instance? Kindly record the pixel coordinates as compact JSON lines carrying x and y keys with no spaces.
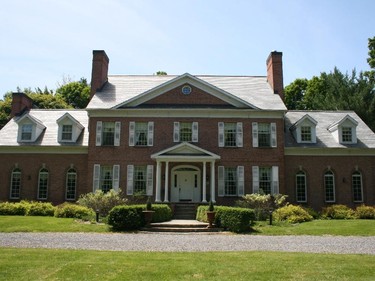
{"x":185,"y":185}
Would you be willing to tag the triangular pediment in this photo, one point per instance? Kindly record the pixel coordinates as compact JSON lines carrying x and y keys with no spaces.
{"x":186,"y":91}
{"x":185,"y":151}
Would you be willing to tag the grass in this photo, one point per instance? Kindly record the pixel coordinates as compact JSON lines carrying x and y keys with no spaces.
{"x":319,"y":227}
{"x":45,"y":264}
{"x":47,"y":224}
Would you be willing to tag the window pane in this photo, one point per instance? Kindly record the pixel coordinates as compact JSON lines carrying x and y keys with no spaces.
{"x":230,"y":134}
{"x":43,"y":184}
{"x":106,"y":178}
{"x":301,"y":187}
{"x":305,"y":133}
{"x":347,"y":134}
{"x":329,"y":186}
{"x":26,"y":132}
{"x":108,"y":133}
{"x":264,"y":135}
{"x":185,"y":131}
{"x":357,"y":187}
{"x":230,"y":177}
{"x":265,"y":180}
{"x":67,"y":132}
{"x":15,"y":184}
{"x":141,"y":133}
{"x":140,"y":179}
{"x":71,"y":183}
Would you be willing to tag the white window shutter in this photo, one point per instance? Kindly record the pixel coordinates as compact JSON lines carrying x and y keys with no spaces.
{"x":194,"y":136}
{"x":99,"y":128}
{"x":241,"y":180}
{"x":117,"y":133}
{"x":150,"y":180}
{"x":116,"y":177}
{"x":221,"y":181}
{"x":273,"y":135}
{"x":150,"y":134}
{"x":255,"y":134}
{"x":221,"y":134}
{"x":176,"y":131}
{"x":275,"y":180}
{"x":131,"y":133}
{"x":239,"y":134}
{"x":96,"y":177}
{"x":130,"y":181}
{"x":255,"y":179}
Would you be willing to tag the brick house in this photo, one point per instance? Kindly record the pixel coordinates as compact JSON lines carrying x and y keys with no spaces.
{"x":187,"y":138}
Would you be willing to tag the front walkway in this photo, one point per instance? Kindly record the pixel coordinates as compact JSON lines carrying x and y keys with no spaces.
{"x":190,"y":242}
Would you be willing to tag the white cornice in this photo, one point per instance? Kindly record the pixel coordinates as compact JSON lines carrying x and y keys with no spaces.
{"x":303,"y":151}
{"x":43,"y":150}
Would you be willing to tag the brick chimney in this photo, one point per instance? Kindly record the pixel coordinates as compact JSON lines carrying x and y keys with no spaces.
{"x":20,"y":103}
{"x":99,"y":74}
{"x":275,"y":72}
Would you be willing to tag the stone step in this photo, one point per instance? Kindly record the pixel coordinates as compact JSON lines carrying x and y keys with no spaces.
{"x":180,"y":226}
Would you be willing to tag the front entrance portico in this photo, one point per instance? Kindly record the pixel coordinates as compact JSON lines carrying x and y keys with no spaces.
{"x":188,"y":182}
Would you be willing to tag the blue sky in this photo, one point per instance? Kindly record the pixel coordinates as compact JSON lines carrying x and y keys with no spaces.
{"x":43,"y":41}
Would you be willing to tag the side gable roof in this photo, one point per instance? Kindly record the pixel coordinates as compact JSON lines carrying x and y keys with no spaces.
{"x":300,"y":121}
{"x":335,"y":125}
{"x":70,"y":117}
{"x":240,"y":91}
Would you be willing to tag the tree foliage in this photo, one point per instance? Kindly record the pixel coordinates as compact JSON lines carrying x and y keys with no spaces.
{"x":336,"y":91}
{"x":76,"y":94}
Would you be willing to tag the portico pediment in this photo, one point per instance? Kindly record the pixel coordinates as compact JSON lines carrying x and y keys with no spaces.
{"x":185,"y":152}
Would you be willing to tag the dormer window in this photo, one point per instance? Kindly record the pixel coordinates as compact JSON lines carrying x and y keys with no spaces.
{"x":344,"y":131}
{"x":29,"y":128}
{"x":304,"y":130}
{"x":69,"y":128}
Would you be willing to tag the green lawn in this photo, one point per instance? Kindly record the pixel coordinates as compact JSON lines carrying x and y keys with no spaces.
{"x":319,"y":227}
{"x":47,"y":224}
{"x":43,"y":264}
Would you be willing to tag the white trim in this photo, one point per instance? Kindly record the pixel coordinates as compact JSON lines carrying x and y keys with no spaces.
{"x":255,"y":134}
{"x":239,"y":134}
{"x":99,"y":129}
{"x":221,"y":141}
{"x":150,"y":134}
{"x":194,"y":134}
{"x":273,"y":134}
{"x":240,"y":180}
{"x":150,"y":180}
{"x":116,"y":177}
{"x":220,"y":181}
{"x":131,"y":133}
{"x":96,"y":178}
{"x":117,"y":133}
{"x":176,"y":132}
{"x":275,"y":180}
{"x":330,"y":151}
{"x":130,"y":180}
{"x":255,"y":179}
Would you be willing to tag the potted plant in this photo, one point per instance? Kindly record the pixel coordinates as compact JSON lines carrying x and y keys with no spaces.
{"x":210,"y":214}
{"x":148,"y":213}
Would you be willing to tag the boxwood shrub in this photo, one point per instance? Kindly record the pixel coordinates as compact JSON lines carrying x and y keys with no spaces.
{"x":162,"y":212}
{"x":292,"y":214}
{"x":338,"y":212}
{"x":41,"y":209}
{"x":126,"y":217}
{"x":27,"y":208}
{"x":231,"y":218}
{"x":365,"y":212}
{"x":13,"y":209}
{"x":70,"y":210}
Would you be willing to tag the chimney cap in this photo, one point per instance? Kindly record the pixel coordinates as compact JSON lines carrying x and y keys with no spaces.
{"x":97,"y":53}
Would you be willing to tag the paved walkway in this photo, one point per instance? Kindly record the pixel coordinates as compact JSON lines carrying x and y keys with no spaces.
{"x":190,"y":242}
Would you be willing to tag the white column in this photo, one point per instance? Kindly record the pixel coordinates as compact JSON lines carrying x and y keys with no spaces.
{"x":166,"y":182}
{"x":204,"y":183}
{"x":158,"y":181}
{"x":212,"y":181}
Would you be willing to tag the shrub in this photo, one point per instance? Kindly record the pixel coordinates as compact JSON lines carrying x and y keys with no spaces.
{"x":292,"y":214}
{"x":101,"y":201}
{"x":365,"y":212}
{"x":338,"y":212}
{"x":41,"y":209}
{"x":69,"y":210}
{"x":232,"y":218}
{"x":13,"y":209}
{"x":126,"y":217}
{"x":262,"y":203}
{"x":162,"y":213}
{"x":312,"y":212}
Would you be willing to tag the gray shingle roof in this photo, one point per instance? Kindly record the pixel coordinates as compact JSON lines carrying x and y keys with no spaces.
{"x":250,"y":89}
{"x":324,"y":138}
{"x":8,"y":134}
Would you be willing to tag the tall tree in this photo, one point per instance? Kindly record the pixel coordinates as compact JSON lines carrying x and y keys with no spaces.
{"x":76,"y":94}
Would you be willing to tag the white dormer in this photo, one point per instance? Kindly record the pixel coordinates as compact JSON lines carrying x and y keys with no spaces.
{"x":69,"y":128}
{"x":344,"y":131}
{"x":304,"y":130}
{"x":29,"y":128}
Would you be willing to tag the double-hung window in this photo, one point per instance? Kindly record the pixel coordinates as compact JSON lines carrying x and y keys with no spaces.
{"x":67,"y":133}
{"x":266,"y":180}
{"x":230,"y":134}
{"x":231,"y":181}
{"x":140,"y":180}
{"x":306,"y":135}
{"x":185,"y":131}
{"x":346,"y":134}
{"x":71,"y":184}
{"x":108,"y":133}
{"x":106,"y":177}
{"x":264,"y":134}
{"x":141,"y":133}
{"x":15,"y":184}
{"x":301,"y":190}
{"x":357,"y":187}
{"x":26,"y":132}
{"x":329,"y":186}
{"x":43,"y":184}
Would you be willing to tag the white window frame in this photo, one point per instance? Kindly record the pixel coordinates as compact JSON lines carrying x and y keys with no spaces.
{"x":301,"y":175}
{"x":100,"y":126}
{"x":98,"y":179}
{"x":71,"y":172}
{"x":272,"y":134}
{"x":15,"y":183}
{"x":149,"y":136}
{"x":329,"y":174}
{"x":239,"y":173}
{"x":43,"y":173}
{"x":131,"y":169}
{"x":273,"y":181}
{"x":357,"y":175}
{"x":237,"y":135}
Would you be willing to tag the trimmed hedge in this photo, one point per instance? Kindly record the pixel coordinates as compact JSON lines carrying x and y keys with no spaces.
{"x":130,"y":217}
{"x":232,"y":218}
{"x":292,"y":214}
{"x":13,"y":209}
{"x":27,"y":208}
{"x":365,"y":212}
{"x":70,"y":210}
{"x":339,"y":212}
{"x":45,"y":209}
